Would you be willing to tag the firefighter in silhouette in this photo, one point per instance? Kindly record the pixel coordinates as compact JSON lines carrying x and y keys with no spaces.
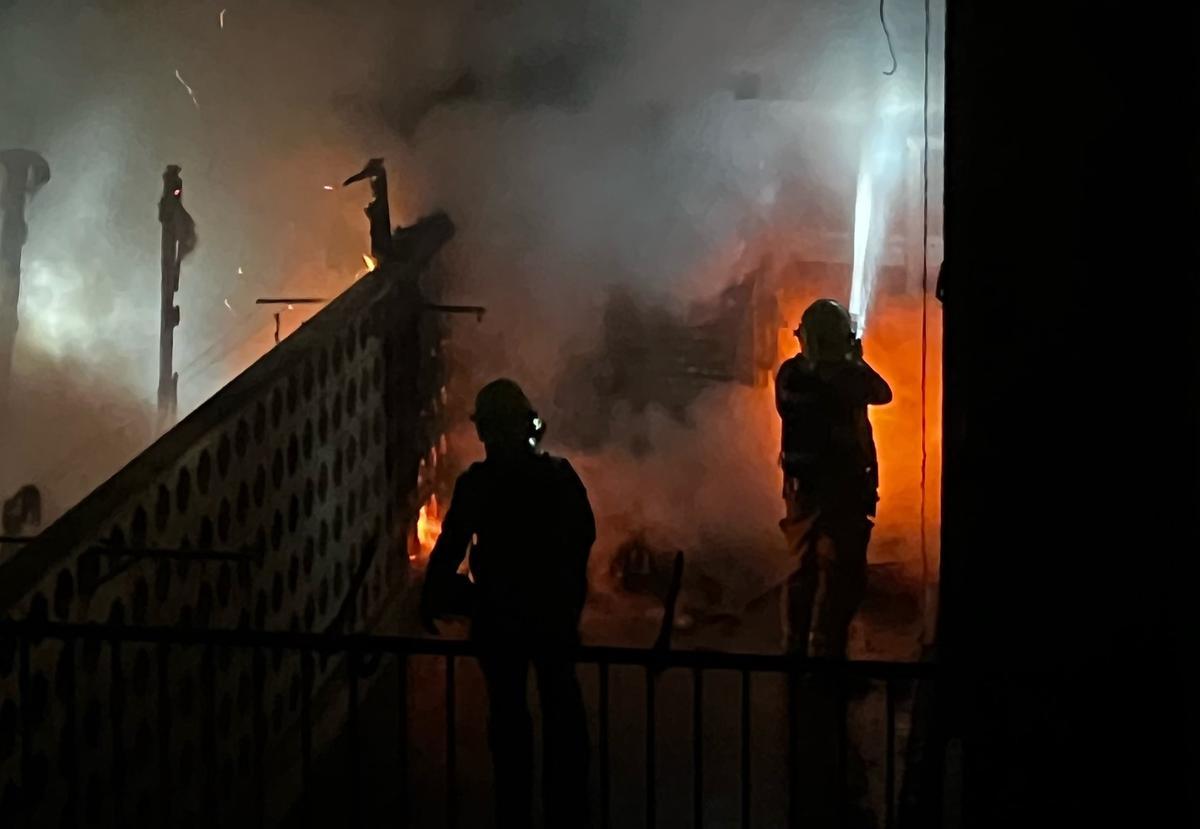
{"x":830,"y":478}
{"x":525,"y":518}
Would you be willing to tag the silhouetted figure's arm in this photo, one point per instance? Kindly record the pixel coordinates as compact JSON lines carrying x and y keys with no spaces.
{"x":876,"y":389}
{"x":787,"y":401}
{"x":449,"y":551}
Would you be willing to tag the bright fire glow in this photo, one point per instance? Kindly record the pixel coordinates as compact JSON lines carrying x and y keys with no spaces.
{"x":370,"y":261}
{"x":429,"y":527}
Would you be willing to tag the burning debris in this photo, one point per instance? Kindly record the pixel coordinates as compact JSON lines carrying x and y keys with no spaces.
{"x":651,"y":357}
{"x":641,"y":571}
{"x":429,"y":528}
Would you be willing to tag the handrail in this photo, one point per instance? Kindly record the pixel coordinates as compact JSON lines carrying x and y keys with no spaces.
{"x":429,"y":646}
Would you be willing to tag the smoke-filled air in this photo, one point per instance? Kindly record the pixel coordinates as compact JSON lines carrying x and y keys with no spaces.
{"x":603,"y":162}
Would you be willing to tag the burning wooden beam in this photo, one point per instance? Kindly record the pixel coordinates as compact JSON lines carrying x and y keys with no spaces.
{"x":25,"y":171}
{"x":178,"y":240}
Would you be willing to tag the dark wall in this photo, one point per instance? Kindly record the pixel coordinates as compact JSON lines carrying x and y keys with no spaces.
{"x":1069,"y":292}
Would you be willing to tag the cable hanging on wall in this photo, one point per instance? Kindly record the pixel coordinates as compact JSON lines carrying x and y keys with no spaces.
{"x":888,"y":36}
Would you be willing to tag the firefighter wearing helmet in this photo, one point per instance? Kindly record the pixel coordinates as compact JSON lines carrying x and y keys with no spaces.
{"x":524,"y":519}
{"x":830,"y":478}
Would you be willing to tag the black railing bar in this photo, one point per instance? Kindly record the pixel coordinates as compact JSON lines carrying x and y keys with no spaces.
{"x":164,"y":702}
{"x":843,"y":756}
{"x":402,"y":736}
{"x":697,"y":748}
{"x":258,"y":670}
{"x":117,"y":697}
{"x":24,"y":700}
{"x":651,"y":752}
{"x":451,"y":747}
{"x":793,"y":749}
{"x":306,"y":735}
{"x":605,"y":786}
{"x":745,"y":740}
{"x":889,"y":764}
{"x":421,"y":646}
{"x":208,"y":665}
{"x":69,"y":661}
{"x":353,"y":740}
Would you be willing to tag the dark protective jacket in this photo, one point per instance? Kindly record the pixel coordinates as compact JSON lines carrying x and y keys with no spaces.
{"x":530,"y":529}
{"x":828,"y":448}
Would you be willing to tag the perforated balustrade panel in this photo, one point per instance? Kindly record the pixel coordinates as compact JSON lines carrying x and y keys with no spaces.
{"x":302,"y":477}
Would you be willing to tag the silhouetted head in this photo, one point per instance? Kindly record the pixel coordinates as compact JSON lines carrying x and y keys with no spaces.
{"x":826,"y":331}
{"x":505,"y":419}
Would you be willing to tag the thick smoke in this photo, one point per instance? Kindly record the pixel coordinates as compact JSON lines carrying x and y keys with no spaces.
{"x":577,"y":145}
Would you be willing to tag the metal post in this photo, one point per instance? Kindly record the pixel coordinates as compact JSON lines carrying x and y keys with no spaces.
{"x":24,"y":173}
{"x":377,"y":211}
{"x":605,"y":787}
{"x":451,"y":747}
{"x":178,"y":240}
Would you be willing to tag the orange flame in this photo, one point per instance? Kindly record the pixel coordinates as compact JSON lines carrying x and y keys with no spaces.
{"x":429,"y":527}
{"x":370,"y":261}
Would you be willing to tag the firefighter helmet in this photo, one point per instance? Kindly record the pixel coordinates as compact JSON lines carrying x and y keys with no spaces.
{"x":826,"y":330}
{"x":503,"y":413}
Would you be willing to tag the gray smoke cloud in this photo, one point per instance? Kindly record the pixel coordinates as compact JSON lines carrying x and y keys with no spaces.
{"x":577,"y":145}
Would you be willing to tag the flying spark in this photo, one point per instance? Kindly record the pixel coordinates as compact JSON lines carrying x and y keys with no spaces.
{"x":291,"y":307}
{"x":328,"y":186}
{"x":227,"y":305}
{"x":179,"y":78}
{"x":239,"y":271}
{"x":221,"y":17}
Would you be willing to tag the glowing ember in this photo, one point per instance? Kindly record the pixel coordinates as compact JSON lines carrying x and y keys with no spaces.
{"x":429,"y":527}
{"x":179,"y":78}
{"x":370,"y":261}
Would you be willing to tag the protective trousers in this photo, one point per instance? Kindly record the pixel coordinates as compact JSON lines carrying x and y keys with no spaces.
{"x":821,"y":597}
{"x":510,"y":733}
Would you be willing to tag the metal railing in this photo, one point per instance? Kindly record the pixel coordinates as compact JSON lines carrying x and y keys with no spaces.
{"x":363,"y":655}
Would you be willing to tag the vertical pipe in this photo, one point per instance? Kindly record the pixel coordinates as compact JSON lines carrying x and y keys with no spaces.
{"x":651,"y":755}
{"x":306,"y":729}
{"x":164,"y":732}
{"x":698,"y":748}
{"x":402,"y":734}
{"x":605,"y":787}
{"x":745,"y":737}
{"x":451,"y":748}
